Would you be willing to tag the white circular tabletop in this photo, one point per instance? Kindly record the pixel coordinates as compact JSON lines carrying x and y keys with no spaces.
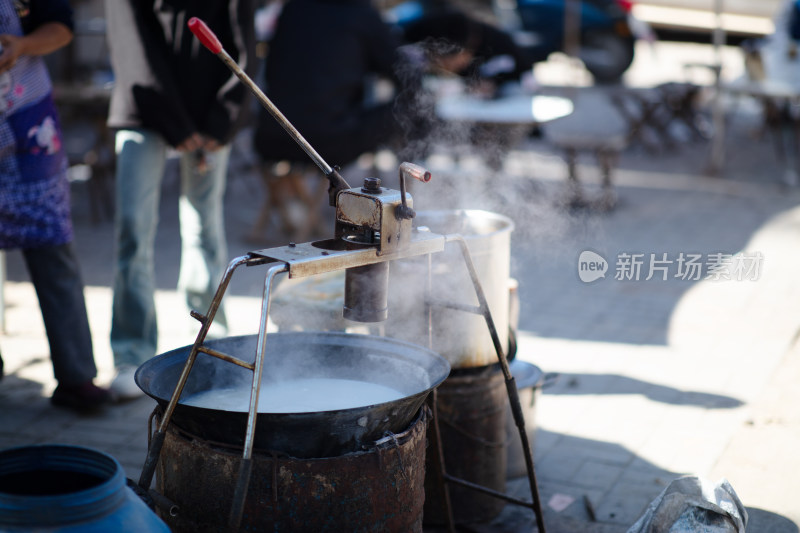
{"x":515,"y":109}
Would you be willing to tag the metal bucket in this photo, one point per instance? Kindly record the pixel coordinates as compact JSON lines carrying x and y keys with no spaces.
{"x":459,"y":336}
{"x":471,"y":406}
{"x":377,"y":490}
{"x":406,"y":367}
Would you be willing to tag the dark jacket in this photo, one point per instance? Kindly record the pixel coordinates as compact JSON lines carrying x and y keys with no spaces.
{"x":319,"y":60}
{"x":165,"y":79}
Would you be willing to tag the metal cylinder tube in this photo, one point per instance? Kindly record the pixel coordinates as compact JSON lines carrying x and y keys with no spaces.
{"x":366,"y":293}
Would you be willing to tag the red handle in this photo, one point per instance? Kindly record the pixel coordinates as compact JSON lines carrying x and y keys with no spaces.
{"x":205,"y":35}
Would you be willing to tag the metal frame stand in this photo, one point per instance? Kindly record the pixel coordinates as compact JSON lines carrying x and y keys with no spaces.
{"x":304,"y":260}
{"x":513,"y":397}
{"x":157,"y":441}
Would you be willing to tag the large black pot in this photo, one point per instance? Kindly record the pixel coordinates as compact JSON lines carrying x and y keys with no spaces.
{"x":409,"y":368}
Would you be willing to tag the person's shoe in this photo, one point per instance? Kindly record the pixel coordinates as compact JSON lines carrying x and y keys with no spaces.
{"x":84,"y":397}
{"x":124,"y":387}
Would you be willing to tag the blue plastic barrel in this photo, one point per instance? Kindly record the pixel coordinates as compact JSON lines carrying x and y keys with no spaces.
{"x":60,"y":488}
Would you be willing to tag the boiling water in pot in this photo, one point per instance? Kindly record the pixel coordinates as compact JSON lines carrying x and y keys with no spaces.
{"x":306,"y":395}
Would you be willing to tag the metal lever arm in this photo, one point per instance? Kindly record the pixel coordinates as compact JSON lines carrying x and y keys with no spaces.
{"x":417,"y":172}
{"x":210,"y":41}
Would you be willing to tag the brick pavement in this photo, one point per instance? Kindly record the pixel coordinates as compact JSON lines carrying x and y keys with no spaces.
{"x":653,"y":379}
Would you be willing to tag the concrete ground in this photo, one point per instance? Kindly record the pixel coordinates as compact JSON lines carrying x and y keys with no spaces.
{"x":648,"y":379}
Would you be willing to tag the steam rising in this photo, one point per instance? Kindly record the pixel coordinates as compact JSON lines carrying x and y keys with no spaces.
{"x":475,"y":167}
{"x":478,"y":166}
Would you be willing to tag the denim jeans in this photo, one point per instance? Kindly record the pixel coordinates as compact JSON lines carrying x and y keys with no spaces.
{"x":141,"y":157}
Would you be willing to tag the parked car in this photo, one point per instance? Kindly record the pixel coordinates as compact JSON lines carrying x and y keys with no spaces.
{"x":607,"y":30}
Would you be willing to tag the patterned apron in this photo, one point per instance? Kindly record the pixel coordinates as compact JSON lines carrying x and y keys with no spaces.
{"x":34,"y":191}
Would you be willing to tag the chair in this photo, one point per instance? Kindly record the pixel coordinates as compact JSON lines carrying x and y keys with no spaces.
{"x":596,"y":127}
{"x":657,"y":109}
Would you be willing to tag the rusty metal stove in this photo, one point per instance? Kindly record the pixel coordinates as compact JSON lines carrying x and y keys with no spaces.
{"x":378,"y":489}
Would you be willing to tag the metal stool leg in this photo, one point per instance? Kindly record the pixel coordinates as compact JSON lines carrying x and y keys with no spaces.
{"x":606,"y":159}
{"x":574,"y":189}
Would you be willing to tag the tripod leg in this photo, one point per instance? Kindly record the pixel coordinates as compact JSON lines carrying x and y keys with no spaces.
{"x":511,"y":386}
{"x":438,"y":458}
{"x":154,"y":450}
{"x":243,"y":482}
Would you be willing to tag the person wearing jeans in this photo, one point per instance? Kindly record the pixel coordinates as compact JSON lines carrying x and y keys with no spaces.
{"x":141,"y":157}
{"x":170,"y":93}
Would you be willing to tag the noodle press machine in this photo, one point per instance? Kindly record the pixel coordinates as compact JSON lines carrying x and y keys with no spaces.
{"x":373,"y":226}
